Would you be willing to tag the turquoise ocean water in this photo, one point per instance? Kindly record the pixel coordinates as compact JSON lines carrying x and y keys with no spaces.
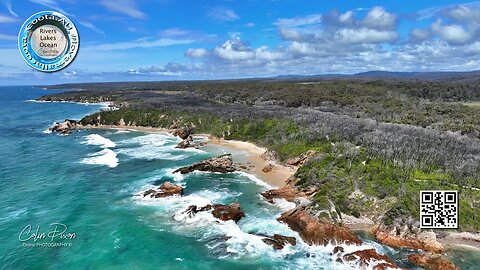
{"x":88,"y":181}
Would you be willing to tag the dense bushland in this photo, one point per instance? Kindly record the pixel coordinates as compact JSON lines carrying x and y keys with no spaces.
{"x":377,"y":142}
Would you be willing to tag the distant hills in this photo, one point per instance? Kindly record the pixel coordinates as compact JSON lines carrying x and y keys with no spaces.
{"x":446,"y":77}
{"x":442,"y":75}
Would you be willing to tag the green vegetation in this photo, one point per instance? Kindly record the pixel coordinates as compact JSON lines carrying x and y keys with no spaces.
{"x":345,"y":168}
{"x":278,"y":134}
{"x":338,"y":169}
{"x":377,"y":142}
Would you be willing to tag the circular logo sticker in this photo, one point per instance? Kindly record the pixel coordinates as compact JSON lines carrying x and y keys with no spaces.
{"x":48,"y":41}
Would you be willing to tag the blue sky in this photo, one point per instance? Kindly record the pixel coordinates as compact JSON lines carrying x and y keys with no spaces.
{"x":126,"y":40}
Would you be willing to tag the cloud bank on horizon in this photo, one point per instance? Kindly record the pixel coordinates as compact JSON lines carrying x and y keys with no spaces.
{"x":174,"y":40}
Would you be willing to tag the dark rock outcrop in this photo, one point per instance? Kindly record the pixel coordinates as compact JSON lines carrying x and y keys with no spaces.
{"x":220,"y":211}
{"x":338,"y":249}
{"x":188,"y":142}
{"x":431,"y":262}
{"x":222,"y":164}
{"x":164,"y":190}
{"x":184,"y":131}
{"x":368,"y":257}
{"x":66,"y":127}
{"x":279,"y":241}
{"x":315,"y":231}
{"x":228,"y":212}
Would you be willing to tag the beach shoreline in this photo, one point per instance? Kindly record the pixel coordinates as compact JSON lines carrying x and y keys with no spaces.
{"x":251,"y":153}
{"x":279,"y":173}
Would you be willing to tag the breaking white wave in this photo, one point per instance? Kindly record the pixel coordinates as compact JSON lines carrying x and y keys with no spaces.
{"x":233,"y":240}
{"x":95,"y":139}
{"x":189,"y":149}
{"x":255,"y":179}
{"x":227,"y":239}
{"x":174,"y":203}
{"x":283,"y":204}
{"x":152,"y":139}
{"x":177,"y":177}
{"x":103,"y":104}
{"x":155,"y":146}
{"x":105,"y":157}
{"x":150,"y":153}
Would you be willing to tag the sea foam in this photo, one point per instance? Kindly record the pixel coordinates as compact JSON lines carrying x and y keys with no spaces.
{"x":105,"y":157}
{"x":255,"y":179}
{"x":95,"y":139}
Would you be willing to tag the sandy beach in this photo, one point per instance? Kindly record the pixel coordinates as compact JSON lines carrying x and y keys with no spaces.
{"x":242,"y":152}
{"x":276,"y":177}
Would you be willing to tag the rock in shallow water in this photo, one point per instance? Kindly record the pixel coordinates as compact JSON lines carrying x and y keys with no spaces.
{"x":279,"y":241}
{"x":220,"y":211}
{"x":222,"y":164}
{"x":66,"y":127}
{"x":188,"y":143}
{"x":165,"y":190}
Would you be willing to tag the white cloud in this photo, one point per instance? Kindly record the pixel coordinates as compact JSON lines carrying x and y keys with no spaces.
{"x":453,"y":33}
{"x":174,"y":32}
{"x":420,"y":34}
{"x":127,"y":7}
{"x":50,"y":4}
{"x":7,"y":19}
{"x":290,"y":34}
{"x":170,"y":69}
{"x":346,"y":17}
{"x":473,"y":48}
{"x":141,"y":43}
{"x":433,"y":11}
{"x":92,"y":27}
{"x":299,"y":21}
{"x":378,"y":18}
{"x":222,"y":14}
{"x":263,"y":53}
{"x":8,"y":5}
{"x":7,"y":37}
{"x":463,"y":13}
{"x":234,"y":50}
{"x":365,"y":35}
{"x":334,"y":42}
{"x":197,"y":52}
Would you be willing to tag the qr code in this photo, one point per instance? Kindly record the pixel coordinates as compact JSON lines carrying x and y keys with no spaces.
{"x":438,"y":209}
